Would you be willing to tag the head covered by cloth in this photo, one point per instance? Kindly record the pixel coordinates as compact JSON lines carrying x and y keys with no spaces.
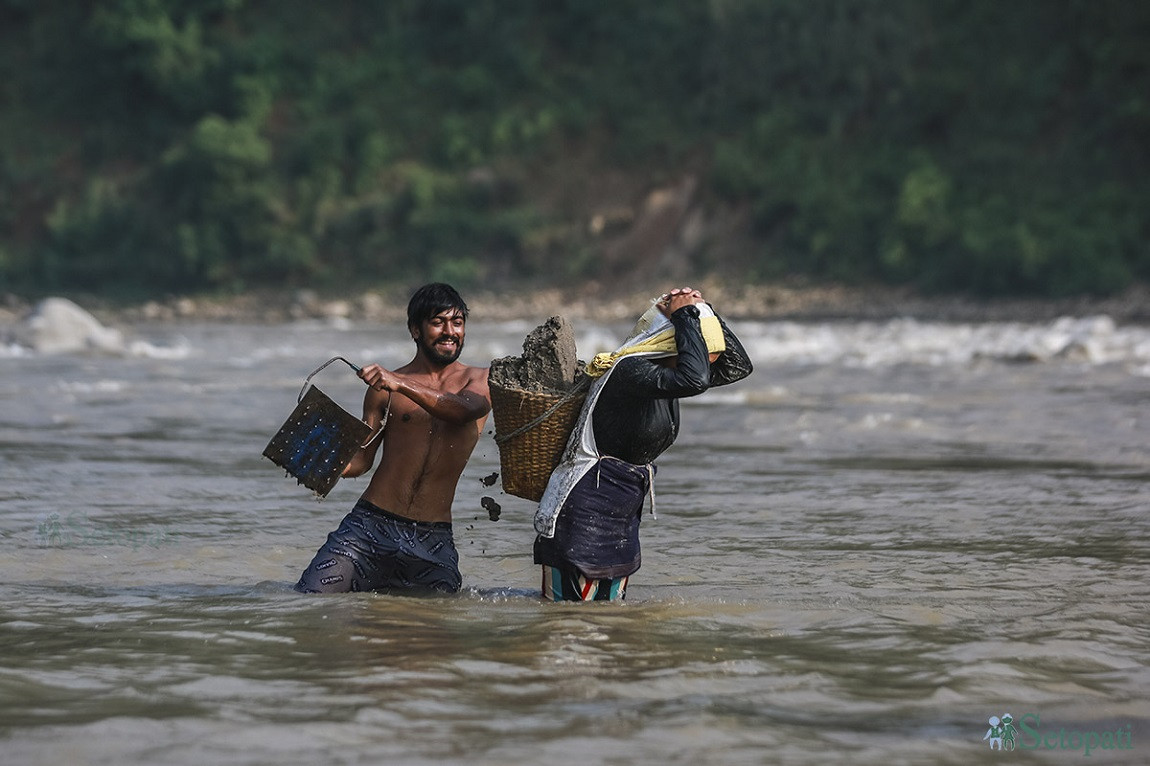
{"x":654,"y":335}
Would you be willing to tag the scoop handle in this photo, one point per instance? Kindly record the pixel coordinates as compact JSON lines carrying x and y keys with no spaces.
{"x":317,"y":370}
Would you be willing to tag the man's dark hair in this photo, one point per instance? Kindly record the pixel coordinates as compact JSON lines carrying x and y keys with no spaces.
{"x":431,"y":299}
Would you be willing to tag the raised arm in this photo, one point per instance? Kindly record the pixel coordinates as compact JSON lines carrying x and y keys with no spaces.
{"x":471,"y":402}
{"x":689,"y":376}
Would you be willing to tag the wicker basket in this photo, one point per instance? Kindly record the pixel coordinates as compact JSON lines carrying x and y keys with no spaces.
{"x":531,"y":430}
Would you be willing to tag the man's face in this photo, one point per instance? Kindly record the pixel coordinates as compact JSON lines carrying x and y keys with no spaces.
{"x":441,"y":337}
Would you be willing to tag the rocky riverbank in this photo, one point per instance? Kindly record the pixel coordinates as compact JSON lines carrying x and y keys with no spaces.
{"x":762,"y":302}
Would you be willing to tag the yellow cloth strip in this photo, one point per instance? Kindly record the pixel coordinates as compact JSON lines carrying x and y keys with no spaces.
{"x":661,"y":343}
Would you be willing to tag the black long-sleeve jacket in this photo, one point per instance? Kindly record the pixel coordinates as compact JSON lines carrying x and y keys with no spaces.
{"x":636,"y":417}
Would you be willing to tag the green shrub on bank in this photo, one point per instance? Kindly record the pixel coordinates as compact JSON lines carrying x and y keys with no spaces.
{"x":987,"y":147}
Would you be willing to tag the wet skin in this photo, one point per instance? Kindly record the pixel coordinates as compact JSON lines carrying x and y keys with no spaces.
{"x":438,"y":408}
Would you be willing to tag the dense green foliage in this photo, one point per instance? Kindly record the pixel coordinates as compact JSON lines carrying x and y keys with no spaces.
{"x":972,"y":145}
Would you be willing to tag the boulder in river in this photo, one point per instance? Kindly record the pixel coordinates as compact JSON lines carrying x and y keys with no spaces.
{"x":59,"y":326}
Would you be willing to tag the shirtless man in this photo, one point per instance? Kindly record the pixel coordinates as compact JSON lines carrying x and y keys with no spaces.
{"x":398,"y":536}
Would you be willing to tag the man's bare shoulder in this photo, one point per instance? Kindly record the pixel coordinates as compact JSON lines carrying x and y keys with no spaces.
{"x":473,"y":377}
{"x":478,"y":373}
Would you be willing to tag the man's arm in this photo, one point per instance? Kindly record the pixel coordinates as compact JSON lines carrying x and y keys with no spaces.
{"x":470,"y":403}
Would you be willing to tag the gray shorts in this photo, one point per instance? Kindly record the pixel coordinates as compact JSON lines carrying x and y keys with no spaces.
{"x":373,"y":550}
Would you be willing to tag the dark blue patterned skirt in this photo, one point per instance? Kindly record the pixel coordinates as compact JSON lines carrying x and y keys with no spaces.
{"x":597,"y":530}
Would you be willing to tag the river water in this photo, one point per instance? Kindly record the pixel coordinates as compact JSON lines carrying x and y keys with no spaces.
{"x":890,"y":533}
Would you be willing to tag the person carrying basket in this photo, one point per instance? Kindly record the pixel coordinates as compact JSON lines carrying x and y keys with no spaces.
{"x":588,"y":517}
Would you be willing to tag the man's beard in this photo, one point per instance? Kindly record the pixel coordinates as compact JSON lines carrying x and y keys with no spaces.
{"x":438,"y":356}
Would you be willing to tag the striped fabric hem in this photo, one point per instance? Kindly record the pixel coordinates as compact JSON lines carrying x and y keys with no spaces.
{"x":565,"y":585}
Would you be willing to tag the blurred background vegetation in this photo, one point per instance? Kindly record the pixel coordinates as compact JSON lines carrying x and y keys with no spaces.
{"x":972,"y":146}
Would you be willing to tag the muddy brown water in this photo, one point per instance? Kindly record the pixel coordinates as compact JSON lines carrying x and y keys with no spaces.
{"x":888,"y":535}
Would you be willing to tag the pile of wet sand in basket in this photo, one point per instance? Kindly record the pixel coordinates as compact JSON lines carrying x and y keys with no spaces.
{"x":548,"y":364}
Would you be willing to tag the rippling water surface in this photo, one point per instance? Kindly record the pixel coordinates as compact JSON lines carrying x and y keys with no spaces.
{"x":888,"y":534}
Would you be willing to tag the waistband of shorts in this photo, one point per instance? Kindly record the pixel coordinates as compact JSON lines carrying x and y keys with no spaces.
{"x":369,"y":507}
